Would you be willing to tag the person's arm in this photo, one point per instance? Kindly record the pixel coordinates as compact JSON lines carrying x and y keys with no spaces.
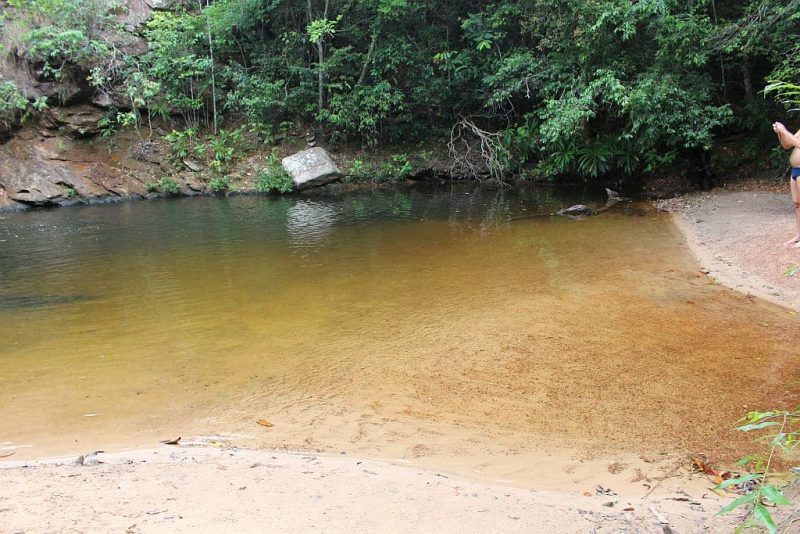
{"x":785,"y":137}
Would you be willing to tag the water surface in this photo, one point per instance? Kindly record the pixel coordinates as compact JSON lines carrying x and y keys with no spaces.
{"x":417,"y":324}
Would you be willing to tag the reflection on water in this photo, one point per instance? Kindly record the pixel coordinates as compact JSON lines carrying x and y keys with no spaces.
{"x":452,"y":321}
{"x":308,"y":223}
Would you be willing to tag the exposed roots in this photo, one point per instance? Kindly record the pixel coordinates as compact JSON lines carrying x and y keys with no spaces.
{"x":478,"y":152}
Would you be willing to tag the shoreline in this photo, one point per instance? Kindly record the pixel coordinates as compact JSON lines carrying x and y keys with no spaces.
{"x":191,"y":489}
{"x":333,"y":189}
{"x":736,"y":238}
{"x":725,"y":273}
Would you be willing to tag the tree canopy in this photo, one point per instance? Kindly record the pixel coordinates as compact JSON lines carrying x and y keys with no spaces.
{"x":587,"y":87}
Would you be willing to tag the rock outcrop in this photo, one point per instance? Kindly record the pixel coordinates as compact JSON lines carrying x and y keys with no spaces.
{"x":57,"y":156}
{"x":41,"y":168}
{"x":311,"y":168}
{"x":81,"y":120}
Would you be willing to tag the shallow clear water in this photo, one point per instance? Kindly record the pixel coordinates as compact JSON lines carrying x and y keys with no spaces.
{"x":445,"y":322}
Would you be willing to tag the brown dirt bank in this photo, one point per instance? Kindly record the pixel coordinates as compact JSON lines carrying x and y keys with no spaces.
{"x":62,"y":159}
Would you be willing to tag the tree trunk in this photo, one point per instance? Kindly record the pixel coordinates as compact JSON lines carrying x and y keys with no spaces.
{"x":370,"y":51}
{"x":321,"y":74}
{"x":747,"y":81}
{"x":213,"y":78}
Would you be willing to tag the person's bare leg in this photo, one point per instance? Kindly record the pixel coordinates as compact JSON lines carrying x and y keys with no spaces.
{"x":795,"y":241}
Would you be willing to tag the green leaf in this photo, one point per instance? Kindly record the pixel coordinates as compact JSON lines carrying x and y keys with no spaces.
{"x":738,"y":480}
{"x":779,"y":440}
{"x":775,"y":496}
{"x":762,"y":514}
{"x":744,"y":499}
{"x":754,"y":417}
{"x":321,"y":28}
{"x":757,"y":426}
{"x":791,"y":271}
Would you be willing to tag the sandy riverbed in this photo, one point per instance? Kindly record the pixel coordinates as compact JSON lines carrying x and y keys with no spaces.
{"x":736,"y":236}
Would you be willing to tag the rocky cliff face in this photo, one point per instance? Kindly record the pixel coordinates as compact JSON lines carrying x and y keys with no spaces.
{"x":58,"y":157}
{"x":40,"y":167}
{"x":61,"y":160}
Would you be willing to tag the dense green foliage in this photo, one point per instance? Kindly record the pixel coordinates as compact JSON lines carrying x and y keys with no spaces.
{"x":14,"y":106}
{"x":587,"y":87}
{"x":168,"y":186}
{"x":59,"y":33}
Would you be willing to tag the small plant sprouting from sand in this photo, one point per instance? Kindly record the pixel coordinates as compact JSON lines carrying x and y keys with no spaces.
{"x":763,"y":494}
{"x":792,"y":270}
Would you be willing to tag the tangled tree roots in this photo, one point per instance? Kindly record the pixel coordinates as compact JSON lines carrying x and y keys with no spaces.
{"x":477,"y":152}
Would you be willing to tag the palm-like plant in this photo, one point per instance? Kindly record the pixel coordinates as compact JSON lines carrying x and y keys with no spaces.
{"x":785,"y":92}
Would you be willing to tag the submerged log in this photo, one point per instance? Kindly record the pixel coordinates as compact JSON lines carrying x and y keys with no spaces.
{"x":581,"y":210}
{"x":576,"y":211}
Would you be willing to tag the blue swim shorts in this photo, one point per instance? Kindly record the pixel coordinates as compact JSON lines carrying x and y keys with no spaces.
{"x":795,"y":173}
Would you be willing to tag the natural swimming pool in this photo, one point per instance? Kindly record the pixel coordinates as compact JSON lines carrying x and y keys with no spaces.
{"x":423,"y":324}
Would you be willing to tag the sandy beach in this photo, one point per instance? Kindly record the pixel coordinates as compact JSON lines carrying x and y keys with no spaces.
{"x":206,"y":489}
{"x":737,"y":238}
{"x":217,"y":485}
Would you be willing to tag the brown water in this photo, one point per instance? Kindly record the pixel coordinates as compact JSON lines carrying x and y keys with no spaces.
{"x":439,"y":327}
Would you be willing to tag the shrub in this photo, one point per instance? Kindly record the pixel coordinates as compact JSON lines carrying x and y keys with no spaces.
{"x":365,"y":110}
{"x":182,"y":142}
{"x":218,"y":184}
{"x":168,"y":186}
{"x":14,"y":106}
{"x":274,"y":177}
{"x":401,"y":166}
{"x":397,"y":168}
{"x":269,"y":181}
{"x":359,"y":170}
{"x":12,"y":103}
{"x":782,"y":435}
{"x":58,"y":33}
{"x":224,"y":145}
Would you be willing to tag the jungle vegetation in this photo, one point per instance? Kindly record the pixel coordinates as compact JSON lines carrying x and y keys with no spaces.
{"x":545,"y":87}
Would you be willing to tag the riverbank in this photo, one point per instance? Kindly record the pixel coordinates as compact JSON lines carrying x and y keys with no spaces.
{"x":191,"y":489}
{"x":43,"y":167}
{"x":738,"y":236}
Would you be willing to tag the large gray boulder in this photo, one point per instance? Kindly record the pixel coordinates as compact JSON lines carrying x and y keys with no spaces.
{"x":162,"y":5}
{"x":311,"y":168}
